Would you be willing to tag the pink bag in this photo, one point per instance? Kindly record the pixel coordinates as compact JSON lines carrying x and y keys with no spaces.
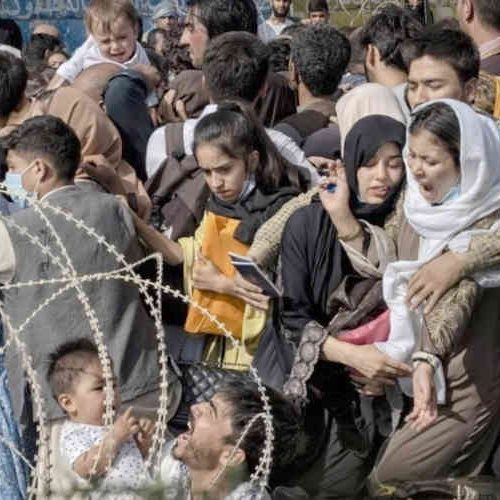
{"x":376,"y":330}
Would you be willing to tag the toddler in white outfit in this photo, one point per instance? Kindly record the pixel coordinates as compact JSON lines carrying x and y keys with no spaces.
{"x":113,"y":456}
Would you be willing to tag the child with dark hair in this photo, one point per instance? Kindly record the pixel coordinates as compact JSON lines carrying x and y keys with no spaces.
{"x":78,"y":384}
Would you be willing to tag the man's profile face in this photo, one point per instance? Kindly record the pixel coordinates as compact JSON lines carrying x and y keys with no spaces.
{"x":431,"y":79}
{"x":281,"y":8}
{"x":210,"y":428}
{"x":195,"y":38}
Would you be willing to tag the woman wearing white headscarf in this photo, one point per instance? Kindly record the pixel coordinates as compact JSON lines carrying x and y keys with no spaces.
{"x":453,"y":195}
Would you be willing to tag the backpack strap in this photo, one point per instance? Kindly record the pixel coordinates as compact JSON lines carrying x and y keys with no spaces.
{"x":174,"y":140}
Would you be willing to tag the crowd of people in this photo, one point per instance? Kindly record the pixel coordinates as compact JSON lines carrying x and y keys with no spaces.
{"x":329,"y":196}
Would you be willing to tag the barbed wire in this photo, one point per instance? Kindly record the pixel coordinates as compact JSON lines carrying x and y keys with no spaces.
{"x":71,"y":280}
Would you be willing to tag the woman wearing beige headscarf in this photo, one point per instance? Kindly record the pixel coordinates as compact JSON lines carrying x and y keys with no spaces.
{"x":365,"y":100}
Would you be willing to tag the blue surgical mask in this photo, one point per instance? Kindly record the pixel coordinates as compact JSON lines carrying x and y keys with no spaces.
{"x":17,"y":192}
{"x":452,"y":194}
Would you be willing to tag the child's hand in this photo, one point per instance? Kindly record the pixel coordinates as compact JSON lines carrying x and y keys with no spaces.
{"x":144,"y":437}
{"x":126,"y":426}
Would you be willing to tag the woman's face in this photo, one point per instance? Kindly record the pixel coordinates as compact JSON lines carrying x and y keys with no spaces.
{"x":432,"y":165}
{"x":225,"y":176}
{"x":381,"y":174}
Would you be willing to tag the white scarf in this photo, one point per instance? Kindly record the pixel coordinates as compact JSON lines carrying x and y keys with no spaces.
{"x":445,"y":226}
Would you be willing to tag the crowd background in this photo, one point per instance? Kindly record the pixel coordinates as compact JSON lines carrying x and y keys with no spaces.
{"x":352,"y":170}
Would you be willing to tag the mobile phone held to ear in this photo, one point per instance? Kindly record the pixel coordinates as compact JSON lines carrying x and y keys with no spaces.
{"x":254,"y":274}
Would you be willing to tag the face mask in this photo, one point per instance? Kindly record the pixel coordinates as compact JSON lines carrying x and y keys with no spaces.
{"x":452,"y":194}
{"x":14,"y":182}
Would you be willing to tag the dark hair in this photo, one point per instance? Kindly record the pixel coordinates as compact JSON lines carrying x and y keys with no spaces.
{"x":160,"y":62}
{"x":488,"y":12}
{"x":320,"y":55}
{"x":440,"y":120}
{"x":317,"y":5}
{"x":387,"y":31}
{"x":152,"y":36}
{"x":279,"y":54}
{"x":48,"y":137}
{"x":450,"y":46}
{"x":236,"y":131}
{"x":38,"y":49}
{"x":67,"y":363}
{"x":221,"y":16}
{"x":422,"y":11}
{"x":10,"y":33}
{"x":357,"y":52}
{"x":235,"y":66}
{"x":13,"y":80}
{"x":177,"y":57}
{"x":245,"y":400}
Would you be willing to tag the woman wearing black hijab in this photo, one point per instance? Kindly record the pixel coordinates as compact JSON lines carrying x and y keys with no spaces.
{"x":314,"y":265}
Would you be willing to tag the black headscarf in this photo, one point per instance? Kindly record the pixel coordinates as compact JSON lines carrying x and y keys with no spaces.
{"x":361,"y":144}
{"x":310,"y":237}
{"x":253,"y":210}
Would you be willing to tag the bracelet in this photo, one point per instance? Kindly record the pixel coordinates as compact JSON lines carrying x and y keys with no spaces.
{"x":428,"y":358}
{"x":352,"y":236}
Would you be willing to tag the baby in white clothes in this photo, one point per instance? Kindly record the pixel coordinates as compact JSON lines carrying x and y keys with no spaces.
{"x":113,"y":27}
{"x":115,"y":456}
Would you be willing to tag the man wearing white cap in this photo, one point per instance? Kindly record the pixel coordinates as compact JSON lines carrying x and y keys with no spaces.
{"x":166,"y":16}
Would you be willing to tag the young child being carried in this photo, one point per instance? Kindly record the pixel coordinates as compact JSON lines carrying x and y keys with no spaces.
{"x":115,"y":455}
{"x":113,"y":27}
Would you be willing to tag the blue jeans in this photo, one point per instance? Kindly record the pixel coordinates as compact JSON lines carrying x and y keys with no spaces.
{"x":125,"y":101}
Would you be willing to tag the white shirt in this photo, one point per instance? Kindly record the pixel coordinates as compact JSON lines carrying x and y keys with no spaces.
{"x":268,"y":31}
{"x":128,"y":469}
{"x":88,"y":55}
{"x":400,"y":93}
{"x":176,"y":474}
{"x":157,"y":152}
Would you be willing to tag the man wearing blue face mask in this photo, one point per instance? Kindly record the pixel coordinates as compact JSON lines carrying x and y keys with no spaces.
{"x":43,"y":155}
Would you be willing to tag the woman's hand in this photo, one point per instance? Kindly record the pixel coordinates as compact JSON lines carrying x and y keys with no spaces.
{"x":250,"y":293}
{"x":424,"y":398}
{"x":334,"y":191}
{"x":206,"y":276}
{"x":375,"y":365}
{"x":433,"y":280}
